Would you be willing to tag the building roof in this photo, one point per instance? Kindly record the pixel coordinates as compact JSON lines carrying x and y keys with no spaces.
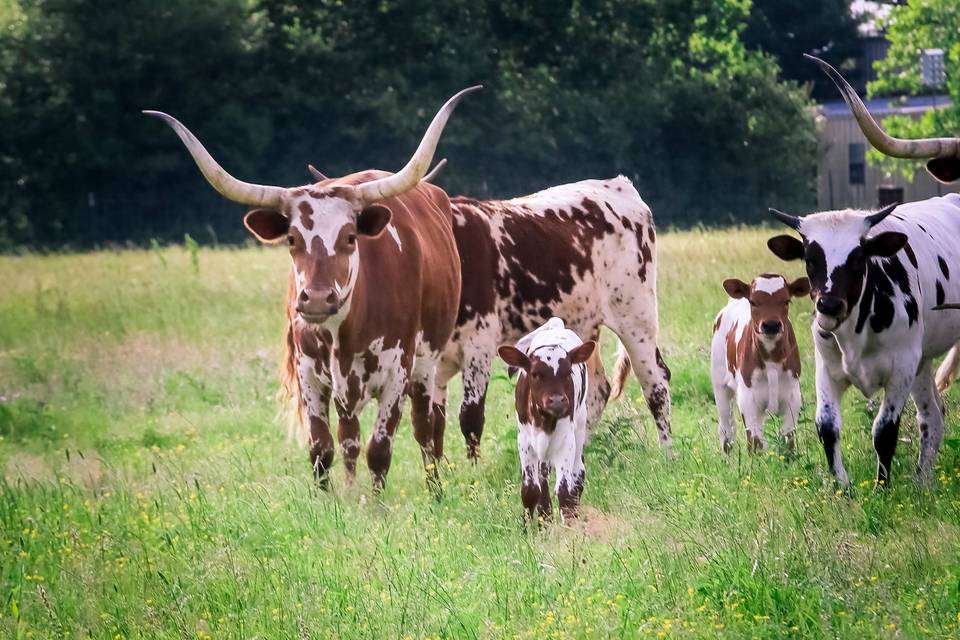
{"x":888,"y":106}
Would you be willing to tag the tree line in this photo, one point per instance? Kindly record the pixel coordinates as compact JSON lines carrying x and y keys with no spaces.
{"x":684,"y":97}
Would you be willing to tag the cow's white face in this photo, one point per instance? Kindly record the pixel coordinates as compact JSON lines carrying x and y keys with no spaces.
{"x":836,"y":250}
{"x":322,"y":227}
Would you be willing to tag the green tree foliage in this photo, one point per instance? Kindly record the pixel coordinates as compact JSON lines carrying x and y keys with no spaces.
{"x":789,"y":28}
{"x":664,"y":92}
{"x":911,"y":28}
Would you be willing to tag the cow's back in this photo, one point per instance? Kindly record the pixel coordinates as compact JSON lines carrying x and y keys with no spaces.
{"x":418,"y":256}
{"x":930,"y":272}
{"x":564,"y":251}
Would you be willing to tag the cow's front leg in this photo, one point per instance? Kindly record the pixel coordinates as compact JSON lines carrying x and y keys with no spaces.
{"x":929,"y":419}
{"x":476,"y":377}
{"x":380,"y":445}
{"x":830,"y":392}
{"x":886,"y":427}
{"x":753,"y":416}
{"x":529,"y":472}
{"x":315,"y":401}
{"x":422,"y":396}
{"x":571,"y":474}
{"x":348,"y":434}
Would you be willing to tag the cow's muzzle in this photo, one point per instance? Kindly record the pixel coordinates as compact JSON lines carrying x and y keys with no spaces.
{"x":316,"y":305}
{"x":831,"y":311}
{"x":555,"y":405}
{"x":771,"y":328}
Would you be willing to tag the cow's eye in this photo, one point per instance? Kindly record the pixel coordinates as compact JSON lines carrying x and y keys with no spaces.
{"x":290,"y":240}
{"x":352,"y":239}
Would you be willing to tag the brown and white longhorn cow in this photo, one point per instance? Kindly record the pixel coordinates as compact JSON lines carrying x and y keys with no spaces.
{"x":373,"y":295}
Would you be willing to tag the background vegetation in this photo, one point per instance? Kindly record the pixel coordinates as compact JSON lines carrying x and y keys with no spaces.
{"x":685,"y":98}
{"x":148,"y":491}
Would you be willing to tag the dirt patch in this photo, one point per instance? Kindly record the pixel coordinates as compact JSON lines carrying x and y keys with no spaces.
{"x":598,"y":525}
{"x":27,"y":466}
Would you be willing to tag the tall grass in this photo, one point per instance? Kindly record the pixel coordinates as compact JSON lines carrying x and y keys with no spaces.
{"x":148,"y":491}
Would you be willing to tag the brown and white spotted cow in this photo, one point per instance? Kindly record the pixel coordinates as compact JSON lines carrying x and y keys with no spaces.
{"x":551,"y":403}
{"x":754,"y":358}
{"x":585,"y":252}
{"x":374,"y":288}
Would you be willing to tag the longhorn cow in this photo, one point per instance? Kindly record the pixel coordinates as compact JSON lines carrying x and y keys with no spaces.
{"x":373,"y":293}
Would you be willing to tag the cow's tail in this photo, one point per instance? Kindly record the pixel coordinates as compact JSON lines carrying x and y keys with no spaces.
{"x":949,"y":369}
{"x":289,"y":398}
{"x":621,"y":371}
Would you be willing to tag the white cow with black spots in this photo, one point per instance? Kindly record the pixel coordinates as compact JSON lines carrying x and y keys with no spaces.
{"x":876,"y":281}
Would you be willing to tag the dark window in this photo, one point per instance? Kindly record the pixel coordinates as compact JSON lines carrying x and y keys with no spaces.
{"x":858,"y":168}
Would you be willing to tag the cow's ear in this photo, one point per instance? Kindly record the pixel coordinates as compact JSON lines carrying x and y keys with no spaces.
{"x":267,"y":225}
{"x":582,"y":353}
{"x":886,"y":244}
{"x":514,"y":357}
{"x":736,"y":288}
{"x":786,"y":247}
{"x":799,"y":287}
{"x":373,"y":220}
{"x":945,"y":169}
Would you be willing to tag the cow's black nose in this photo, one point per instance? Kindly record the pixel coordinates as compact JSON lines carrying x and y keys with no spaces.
{"x":771,"y":327}
{"x":830,"y":306}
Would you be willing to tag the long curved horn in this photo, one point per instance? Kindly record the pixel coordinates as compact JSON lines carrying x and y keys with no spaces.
{"x":319,"y":177}
{"x":408,"y":177}
{"x":256,"y":195}
{"x":874,"y":218}
{"x":896,"y":147}
{"x":433,"y":172}
{"x":791,"y":221}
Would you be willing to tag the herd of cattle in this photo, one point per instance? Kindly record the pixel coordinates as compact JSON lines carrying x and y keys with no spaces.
{"x":395,"y":288}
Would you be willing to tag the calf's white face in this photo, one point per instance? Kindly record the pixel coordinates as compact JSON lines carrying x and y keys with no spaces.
{"x":322,"y":227}
{"x":836,"y":250}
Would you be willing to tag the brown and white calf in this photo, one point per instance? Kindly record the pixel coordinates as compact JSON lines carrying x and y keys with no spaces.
{"x":754,"y":358}
{"x":585,"y":252}
{"x":551,"y":408}
{"x":375,"y":284}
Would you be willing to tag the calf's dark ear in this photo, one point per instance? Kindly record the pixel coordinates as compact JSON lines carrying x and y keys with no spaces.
{"x":514,"y":357}
{"x":581,"y":354}
{"x":799,"y":287}
{"x":736,"y":288}
{"x":373,"y":220}
{"x":945,"y":169}
{"x":886,"y":244}
{"x":786,"y":247}
{"x":267,"y":225}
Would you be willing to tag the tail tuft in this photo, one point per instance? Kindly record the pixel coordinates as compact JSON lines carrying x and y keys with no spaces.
{"x":949,"y":369}
{"x":621,"y":371}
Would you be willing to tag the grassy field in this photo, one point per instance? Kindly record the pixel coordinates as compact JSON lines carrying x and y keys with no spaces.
{"x":149,"y":492}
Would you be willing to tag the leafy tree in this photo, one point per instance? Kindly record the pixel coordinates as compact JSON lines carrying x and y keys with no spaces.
{"x":910,"y":28}
{"x":663,"y":91}
{"x":789,"y":28}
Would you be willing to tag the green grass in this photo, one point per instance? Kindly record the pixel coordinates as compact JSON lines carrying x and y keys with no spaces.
{"x":149,"y":491}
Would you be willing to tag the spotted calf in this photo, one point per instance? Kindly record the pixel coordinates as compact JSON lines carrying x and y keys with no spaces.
{"x":551,"y":414}
{"x":754,"y":357}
